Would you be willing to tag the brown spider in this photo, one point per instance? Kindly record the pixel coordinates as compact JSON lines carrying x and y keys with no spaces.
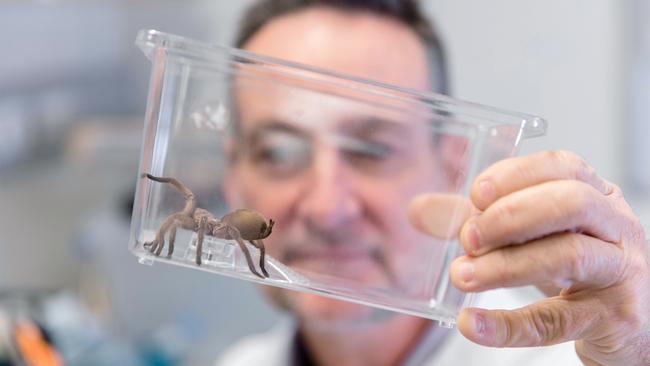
{"x":239,"y":225}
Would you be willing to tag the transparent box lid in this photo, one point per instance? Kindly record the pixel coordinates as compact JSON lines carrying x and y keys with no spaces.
{"x":302,"y":178}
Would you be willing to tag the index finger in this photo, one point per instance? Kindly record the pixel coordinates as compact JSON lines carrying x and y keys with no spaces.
{"x":510,"y":175}
{"x":440,"y":215}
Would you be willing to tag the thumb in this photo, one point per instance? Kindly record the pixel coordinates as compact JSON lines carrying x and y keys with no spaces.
{"x":549,"y":321}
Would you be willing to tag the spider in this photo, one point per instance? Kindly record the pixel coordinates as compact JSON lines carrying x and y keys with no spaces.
{"x":239,"y":225}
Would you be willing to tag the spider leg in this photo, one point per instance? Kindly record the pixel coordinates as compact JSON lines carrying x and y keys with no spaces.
{"x":152,"y":246}
{"x":178,"y":221}
{"x":156,"y":246}
{"x":172,"y":239}
{"x":170,"y":222}
{"x":184,"y":221}
{"x":235,"y":235}
{"x":161,"y":245}
{"x":158,"y":242}
{"x":199,"y":241}
{"x":149,"y":244}
{"x":260,"y":245}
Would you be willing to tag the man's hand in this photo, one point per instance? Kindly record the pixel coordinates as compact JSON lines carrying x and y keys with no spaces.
{"x":550,"y":221}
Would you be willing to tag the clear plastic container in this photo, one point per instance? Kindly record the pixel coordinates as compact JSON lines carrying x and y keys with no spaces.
{"x":317,"y":168}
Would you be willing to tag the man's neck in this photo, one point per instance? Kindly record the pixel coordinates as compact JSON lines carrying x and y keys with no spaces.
{"x":385,"y":343}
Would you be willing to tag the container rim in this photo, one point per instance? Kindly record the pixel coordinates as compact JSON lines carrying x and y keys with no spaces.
{"x":529,"y":125}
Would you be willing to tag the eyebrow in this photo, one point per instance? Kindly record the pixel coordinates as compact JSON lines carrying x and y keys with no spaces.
{"x":273,"y":126}
{"x":359,"y":126}
{"x":356,"y":145}
{"x":367,"y":125}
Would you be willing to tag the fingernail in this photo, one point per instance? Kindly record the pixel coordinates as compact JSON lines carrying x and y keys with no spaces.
{"x":473,"y":238}
{"x":466,"y":270}
{"x":479,"y":325}
{"x":487,"y":191}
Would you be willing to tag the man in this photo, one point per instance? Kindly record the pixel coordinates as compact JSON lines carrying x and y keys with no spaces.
{"x":547,"y":219}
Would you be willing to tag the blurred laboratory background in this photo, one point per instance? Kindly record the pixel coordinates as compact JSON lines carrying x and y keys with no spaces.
{"x":72,"y":94}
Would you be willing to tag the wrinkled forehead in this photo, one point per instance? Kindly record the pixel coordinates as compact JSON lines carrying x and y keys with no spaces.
{"x":319,"y":106}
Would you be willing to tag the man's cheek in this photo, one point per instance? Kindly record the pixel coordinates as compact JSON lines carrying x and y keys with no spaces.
{"x":274,"y":243}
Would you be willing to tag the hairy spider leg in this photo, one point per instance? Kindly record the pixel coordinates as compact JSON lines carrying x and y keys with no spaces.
{"x":259,"y":244}
{"x":201,"y":234}
{"x":190,"y":202}
{"x":172,"y":239}
{"x":170,"y":223}
{"x":268,"y":230}
{"x":151,"y":245}
{"x":159,"y":241}
{"x":249,"y":260}
{"x":184,"y":222}
{"x":234,"y":234}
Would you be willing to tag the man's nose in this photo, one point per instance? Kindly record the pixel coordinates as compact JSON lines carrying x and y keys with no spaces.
{"x":330,"y":197}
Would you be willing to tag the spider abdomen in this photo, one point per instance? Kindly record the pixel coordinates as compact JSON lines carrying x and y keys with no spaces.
{"x":250,"y":223}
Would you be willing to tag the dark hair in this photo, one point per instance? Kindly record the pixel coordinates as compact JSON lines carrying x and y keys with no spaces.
{"x":406,"y":11}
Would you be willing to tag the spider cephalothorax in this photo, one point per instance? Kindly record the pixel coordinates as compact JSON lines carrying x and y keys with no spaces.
{"x":239,"y":225}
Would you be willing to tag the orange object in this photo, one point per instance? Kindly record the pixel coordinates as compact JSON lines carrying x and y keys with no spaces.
{"x":34,"y":348}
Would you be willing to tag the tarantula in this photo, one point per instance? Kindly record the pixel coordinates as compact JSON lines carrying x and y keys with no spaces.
{"x":239,"y":225}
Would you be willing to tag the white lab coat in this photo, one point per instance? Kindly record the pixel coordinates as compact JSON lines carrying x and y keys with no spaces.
{"x":273,"y":348}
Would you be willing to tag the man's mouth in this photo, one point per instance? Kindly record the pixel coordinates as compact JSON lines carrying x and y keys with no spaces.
{"x":352,"y":261}
{"x":332,"y":254}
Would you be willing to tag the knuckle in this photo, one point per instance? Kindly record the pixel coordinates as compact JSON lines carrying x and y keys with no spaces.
{"x":636,"y":230}
{"x":554,"y":155}
{"x":506,"y":214}
{"x":630,"y":227}
{"x":578,"y":167}
{"x":576,"y":202}
{"x":525,"y":169}
{"x":548,"y":325}
{"x":627,"y":305}
{"x":504,"y":267}
{"x":563,"y":156}
{"x":615,"y":190}
{"x":629,"y":314}
{"x":577,"y":258}
{"x":572,"y":159}
{"x":636,"y":266}
{"x":508,"y":330}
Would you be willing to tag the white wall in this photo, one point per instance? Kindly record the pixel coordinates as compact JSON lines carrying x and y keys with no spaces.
{"x":562,"y":60}
{"x":639,"y":103}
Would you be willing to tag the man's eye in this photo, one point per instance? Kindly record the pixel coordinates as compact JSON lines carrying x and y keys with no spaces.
{"x":281,"y":154}
{"x":371,"y":156}
{"x":365,"y":148}
{"x":370,"y":151}
{"x":379,"y":150}
{"x":276,"y":155}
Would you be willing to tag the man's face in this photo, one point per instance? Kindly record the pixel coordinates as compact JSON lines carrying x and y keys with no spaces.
{"x":335,"y":174}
